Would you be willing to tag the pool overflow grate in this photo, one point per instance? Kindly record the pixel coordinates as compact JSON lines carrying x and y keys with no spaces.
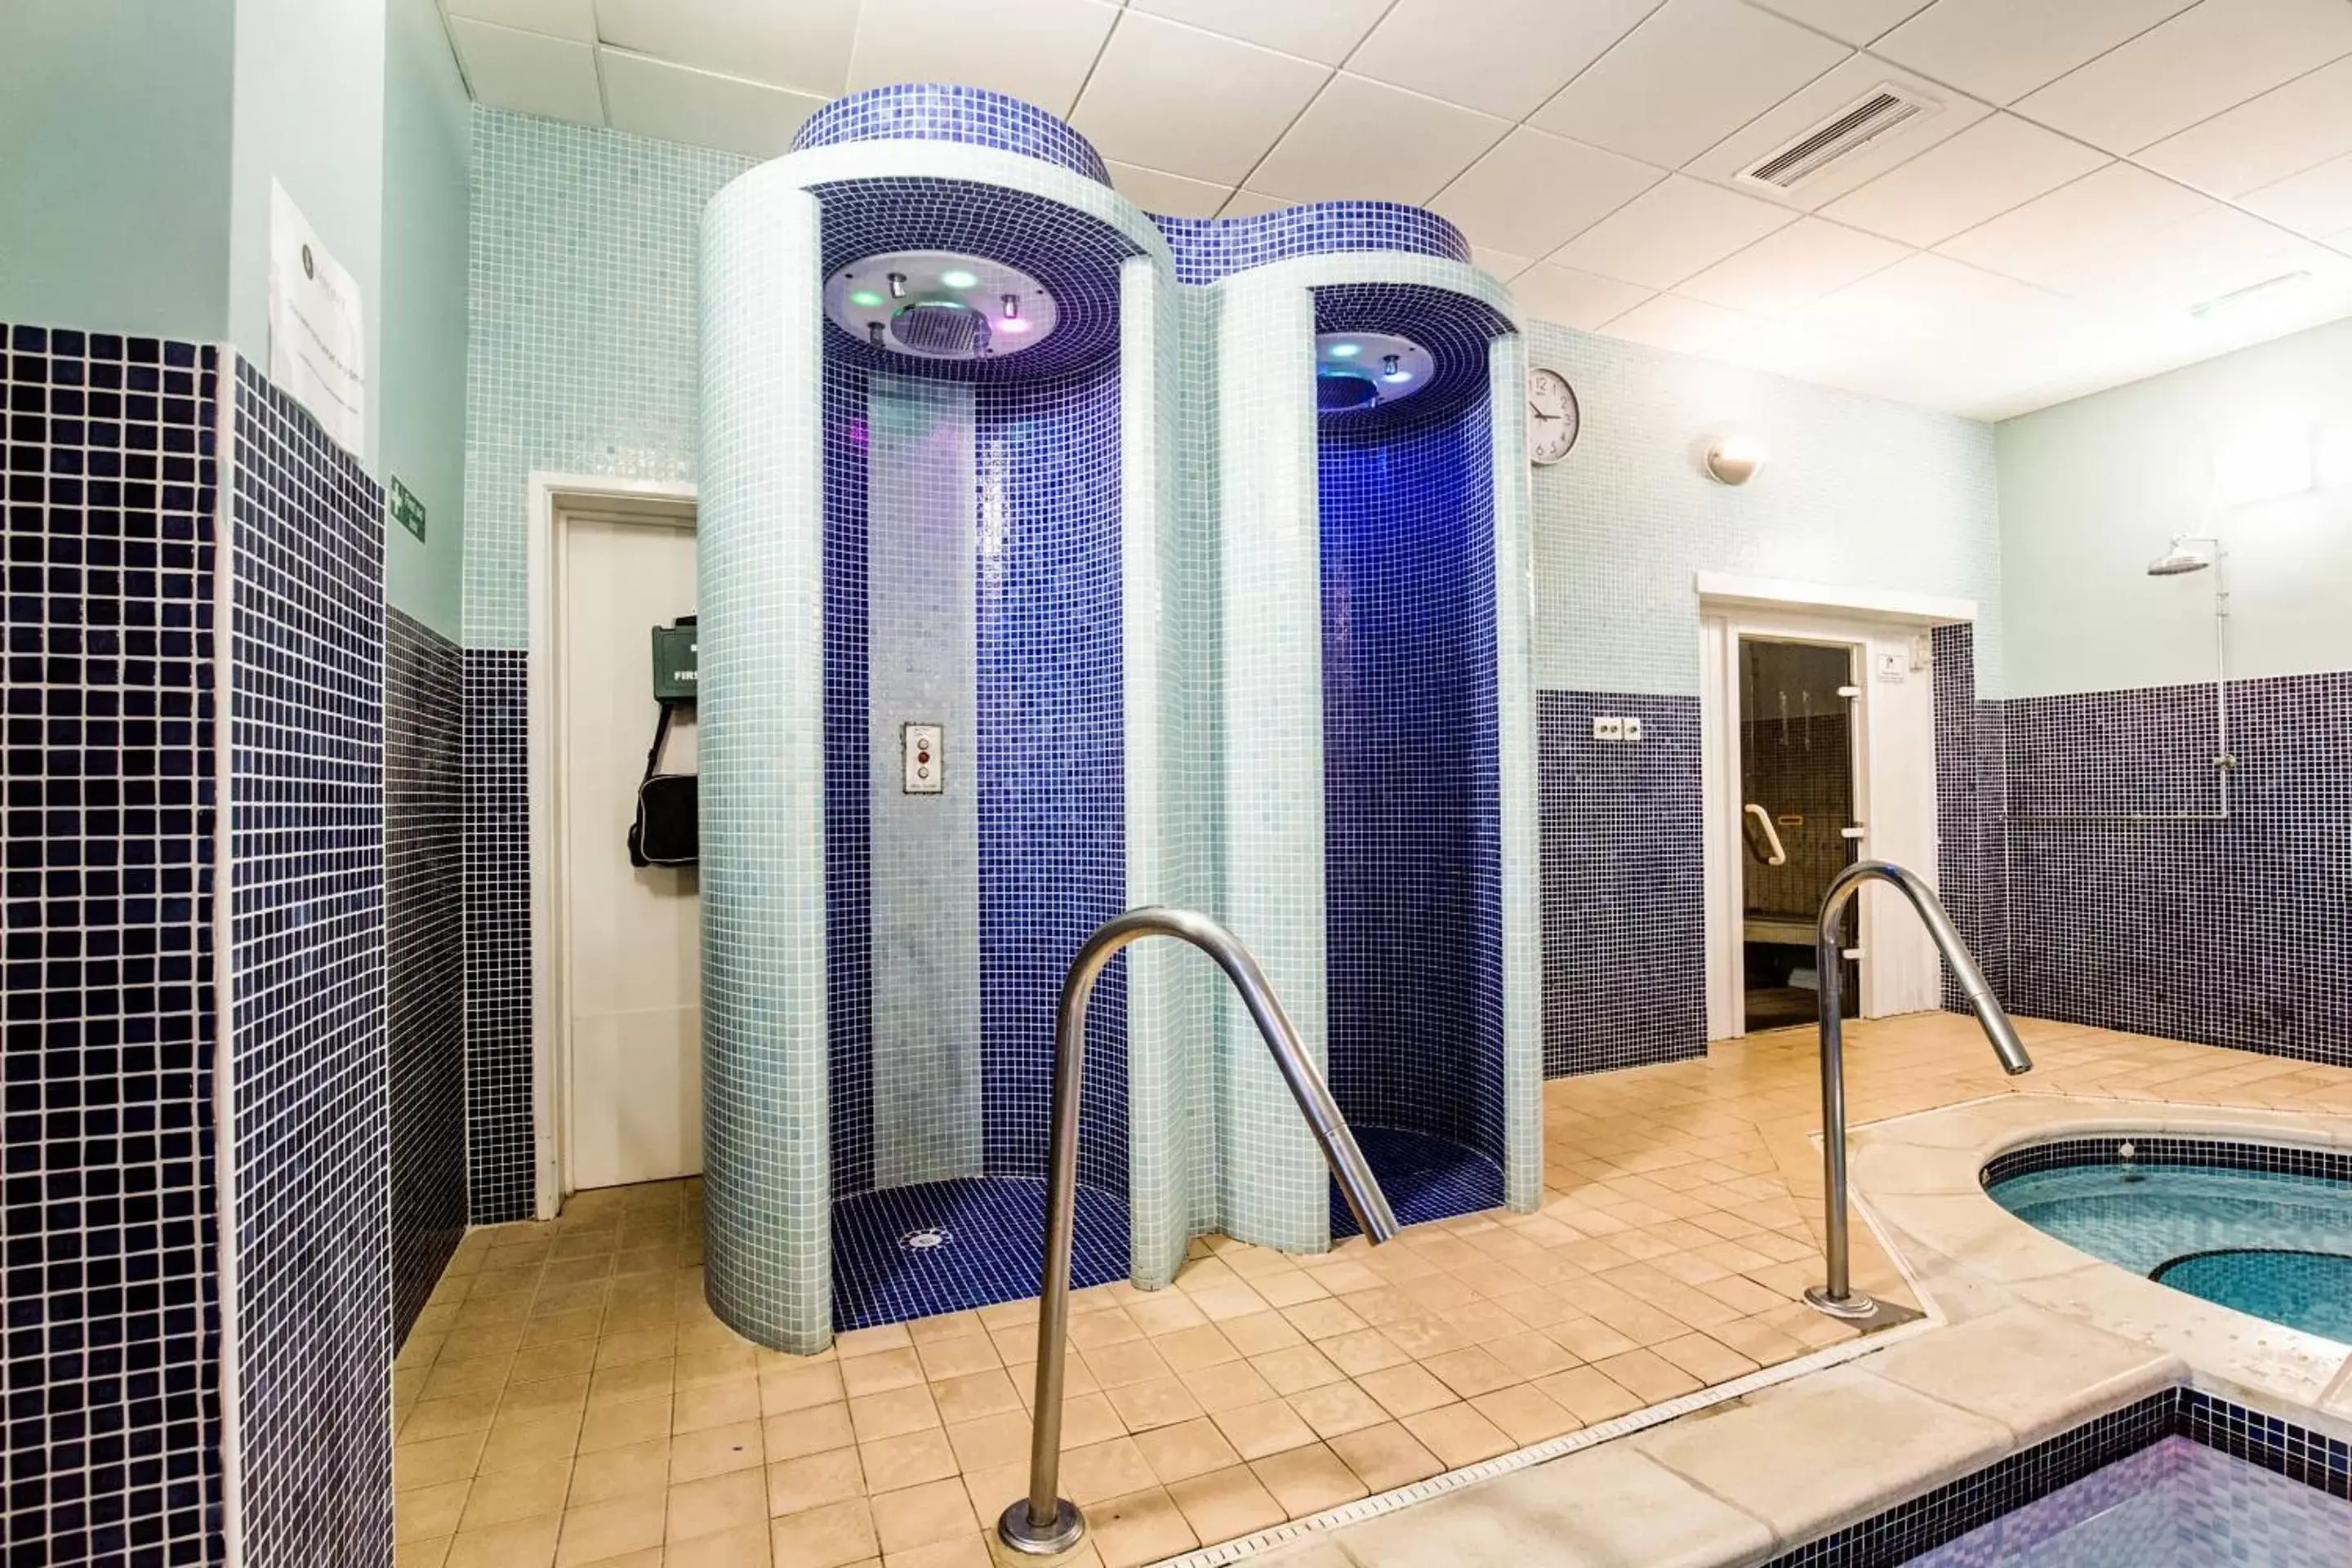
{"x":2138,"y":1149}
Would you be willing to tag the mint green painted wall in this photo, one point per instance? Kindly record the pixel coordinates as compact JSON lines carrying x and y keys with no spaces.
{"x":308,"y":112}
{"x":421,"y":387}
{"x":114,"y":164}
{"x":2092,"y":491}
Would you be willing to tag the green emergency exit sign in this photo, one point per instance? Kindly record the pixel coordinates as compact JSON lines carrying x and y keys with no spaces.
{"x":407,"y":510}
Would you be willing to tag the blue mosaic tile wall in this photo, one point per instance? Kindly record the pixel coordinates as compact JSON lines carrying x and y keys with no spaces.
{"x":1624,"y":913}
{"x":2229,"y":933}
{"x":111,"y":1375}
{"x":1414,"y":861}
{"x":499,"y":1125}
{"x":1209,"y":248}
{"x":1051,"y":742}
{"x":424,"y":953}
{"x":938,"y":111}
{"x":310,"y":1191}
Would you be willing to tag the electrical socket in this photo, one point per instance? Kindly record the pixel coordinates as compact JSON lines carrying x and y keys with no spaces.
{"x":1632,"y":728}
{"x":1606,"y":728}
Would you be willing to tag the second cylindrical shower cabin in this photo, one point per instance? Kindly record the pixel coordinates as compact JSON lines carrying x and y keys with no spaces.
{"x":1056,"y":558}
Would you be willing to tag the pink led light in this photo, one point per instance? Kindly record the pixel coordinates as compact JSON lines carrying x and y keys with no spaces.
{"x":1017,"y":324}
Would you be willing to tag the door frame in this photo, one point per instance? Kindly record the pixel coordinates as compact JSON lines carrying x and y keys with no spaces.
{"x":1894,"y":774}
{"x":555,"y":500}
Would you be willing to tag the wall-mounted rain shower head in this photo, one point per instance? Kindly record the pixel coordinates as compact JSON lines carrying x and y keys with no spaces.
{"x":1361,"y":370}
{"x":936,"y":305}
{"x":2184,"y":556}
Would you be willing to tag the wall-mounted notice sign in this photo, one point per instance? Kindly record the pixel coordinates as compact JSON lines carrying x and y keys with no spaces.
{"x":406,"y":509}
{"x":316,"y":344}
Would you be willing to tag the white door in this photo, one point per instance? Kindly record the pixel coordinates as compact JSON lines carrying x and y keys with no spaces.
{"x":629,"y":998}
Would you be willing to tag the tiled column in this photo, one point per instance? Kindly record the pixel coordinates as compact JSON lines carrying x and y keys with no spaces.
{"x":1515,"y":725}
{"x":1275,"y":1189}
{"x":761,"y":547}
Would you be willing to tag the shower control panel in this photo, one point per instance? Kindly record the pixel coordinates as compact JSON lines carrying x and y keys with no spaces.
{"x":919,"y":745}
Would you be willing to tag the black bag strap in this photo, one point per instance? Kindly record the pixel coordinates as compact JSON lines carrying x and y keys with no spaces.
{"x":653,"y":752}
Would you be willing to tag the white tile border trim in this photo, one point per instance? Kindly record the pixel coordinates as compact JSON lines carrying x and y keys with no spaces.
{"x":1726,"y":588}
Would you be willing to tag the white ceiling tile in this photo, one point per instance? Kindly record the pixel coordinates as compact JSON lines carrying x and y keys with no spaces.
{"x":1533,"y":192}
{"x":801,"y":44}
{"x":1192,"y":103}
{"x":1036,"y":50}
{"x":1572,"y":299}
{"x":2209,"y":57}
{"x":1501,"y":263}
{"x":2317,"y":202}
{"x":2219,"y":251}
{"x":1687,"y":326}
{"x":1504,"y":56}
{"x":1855,"y":21}
{"x":2111,"y":211}
{"x":678,"y":103}
{"x":1364,"y":139}
{"x":1832,"y":95}
{"x":557,"y":18}
{"x":1324,"y":30}
{"x":2264,"y":140}
{"x":531,"y":72}
{"x":1997,"y":163}
{"x":1172,"y":195}
{"x":1695,"y":72}
{"x":1670,"y":231}
{"x":2000,"y":50}
{"x":1250,"y":204}
{"x":1794,"y":266}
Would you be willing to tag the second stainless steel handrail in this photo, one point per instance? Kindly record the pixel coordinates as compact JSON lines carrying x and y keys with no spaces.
{"x":1837,"y":1297}
{"x":1045,"y":1522}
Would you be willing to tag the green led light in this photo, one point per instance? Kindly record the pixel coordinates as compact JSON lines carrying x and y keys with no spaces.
{"x":1345,"y":351}
{"x":957,"y":277}
{"x":865,"y":299}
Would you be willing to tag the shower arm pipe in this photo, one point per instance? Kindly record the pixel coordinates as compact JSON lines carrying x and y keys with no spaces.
{"x":1043,"y":1523}
{"x":1838,"y":1298}
{"x":2224,"y":760}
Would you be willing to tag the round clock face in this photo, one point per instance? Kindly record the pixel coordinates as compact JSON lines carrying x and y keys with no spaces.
{"x":1552,"y":417}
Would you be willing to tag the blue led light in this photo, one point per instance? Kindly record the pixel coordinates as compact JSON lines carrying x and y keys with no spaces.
{"x":1345,"y":351}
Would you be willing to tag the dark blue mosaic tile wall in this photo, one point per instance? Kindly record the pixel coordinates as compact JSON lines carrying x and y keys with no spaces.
{"x":936,"y":112}
{"x":499,"y":1124}
{"x":1624,"y":916}
{"x":424,"y":953}
{"x":2230,"y":933}
{"x":307,"y":1057}
{"x":1208,"y":248}
{"x":1052,"y":846}
{"x":110,"y":1377}
{"x":849,"y":812}
{"x":1412,"y":801}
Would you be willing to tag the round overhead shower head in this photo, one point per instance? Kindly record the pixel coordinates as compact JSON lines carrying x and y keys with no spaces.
{"x":2185,"y":556}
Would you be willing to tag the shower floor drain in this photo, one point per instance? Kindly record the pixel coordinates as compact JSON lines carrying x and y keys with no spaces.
{"x":930,"y":1238}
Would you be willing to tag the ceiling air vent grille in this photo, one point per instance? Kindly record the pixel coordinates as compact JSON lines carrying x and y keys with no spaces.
{"x":1882,"y":109}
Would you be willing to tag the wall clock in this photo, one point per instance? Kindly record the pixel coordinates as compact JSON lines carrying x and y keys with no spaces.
{"x":1553,"y":418}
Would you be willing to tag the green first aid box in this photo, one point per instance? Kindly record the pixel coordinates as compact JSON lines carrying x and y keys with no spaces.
{"x":674,"y":662}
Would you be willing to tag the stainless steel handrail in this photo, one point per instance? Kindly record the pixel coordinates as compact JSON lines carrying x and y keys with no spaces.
{"x":1838,"y":1298}
{"x":1043,"y":1523}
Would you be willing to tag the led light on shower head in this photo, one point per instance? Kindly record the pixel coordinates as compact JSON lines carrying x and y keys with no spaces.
{"x":940,"y":305}
{"x":1363,"y":370}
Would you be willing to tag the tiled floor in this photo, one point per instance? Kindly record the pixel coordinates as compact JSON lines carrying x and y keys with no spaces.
{"x":567,"y":1397}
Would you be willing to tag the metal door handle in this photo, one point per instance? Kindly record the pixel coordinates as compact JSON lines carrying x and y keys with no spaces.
{"x":1779,"y":857}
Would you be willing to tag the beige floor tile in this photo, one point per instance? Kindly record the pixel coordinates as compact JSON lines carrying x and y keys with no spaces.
{"x":964,"y":1551}
{"x":1306,"y":1480}
{"x":1648,"y":1374}
{"x":1187,"y":1449}
{"x":715,"y":1451}
{"x":716,"y":1503}
{"x":421,"y":1513}
{"x":1228,"y":1385}
{"x":744,"y":1546}
{"x":1336,"y":1407}
{"x":1165,"y":1312}
{"x":1159,"y":1401}
{"x":1472,"y":1371}
{"x":1089,"y":1418}
{"x":1525,"y":1414}
{"x":714,"y":1405}
{"x":1223,"y":1504}
{"x":1189,"y":1349}
{"x":1295,"y":1369}
{"x":1126,"y":1361}
{"x":829,"y":1537}
{"x":1141,"y":1527}
{"x":616,"y":1472}
{"x":1102,"y":1471}
{"x":1403,"y":1389}
{"x":1458,"y":1435}
{"x":518,"y":1543}
{"x":991,"y":1440}
{"x":524,"y":1493}
{"x":433,"y":1418}
{"x":1360,"y":1351}
{"x":888,"y":1415}
{"x":436,"y":1460}
{"x":1269,"y":1427}
{"x":431,"y":1553}
{"x":922,"y":1515}
{"x":924,"y":1456}
{"x":1255,"y":1334}
{"x":616,"y":1426}
{"x":514,"y":1440}
{"x":1385,"y":1456}
{"x":878,"y":1371}
{"x":958,"y":1357}
{"x":813,"y":1480}
{"x":968,"y":1399}
{"x":629,"y":1523}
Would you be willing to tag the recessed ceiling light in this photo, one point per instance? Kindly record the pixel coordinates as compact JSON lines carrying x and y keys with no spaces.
{"x":2252,"y":294}
{"x":960,"y":278}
